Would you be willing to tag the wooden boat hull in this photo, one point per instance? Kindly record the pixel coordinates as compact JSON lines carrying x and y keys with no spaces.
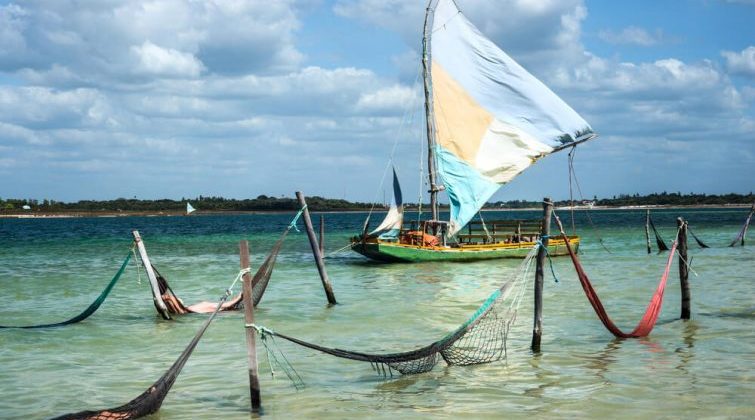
{"x":395,"y":252}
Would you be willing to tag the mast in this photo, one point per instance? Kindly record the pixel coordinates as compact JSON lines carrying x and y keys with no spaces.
{"x":429,"y":111}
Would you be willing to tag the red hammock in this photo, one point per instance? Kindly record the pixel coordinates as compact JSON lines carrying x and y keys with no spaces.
{"x":648,"y":320}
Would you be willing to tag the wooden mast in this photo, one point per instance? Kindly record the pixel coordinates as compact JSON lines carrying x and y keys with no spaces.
{"x":429,"y":118}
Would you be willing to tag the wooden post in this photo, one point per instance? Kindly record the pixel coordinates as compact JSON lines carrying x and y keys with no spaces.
{"x":647,"y":230}
{"x":251,"y":344}
{"x":683,"y":268}
{"x":156,"y":295}
{"x":316,"y":251}
{"x":537,"y":329}
{"x":322,"y":234}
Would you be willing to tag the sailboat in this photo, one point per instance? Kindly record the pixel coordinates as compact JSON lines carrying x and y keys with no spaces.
{"x":487,"y":119}
{"x":189,"y":208}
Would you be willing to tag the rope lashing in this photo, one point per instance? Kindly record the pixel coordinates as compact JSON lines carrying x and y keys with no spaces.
{"x":296,"y":219}
{"x":547,"y":254}
{"x":241,"y":273}
{"x":267,"y":336}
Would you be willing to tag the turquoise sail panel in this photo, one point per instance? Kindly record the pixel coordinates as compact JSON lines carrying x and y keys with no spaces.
{"x":467,"y":189}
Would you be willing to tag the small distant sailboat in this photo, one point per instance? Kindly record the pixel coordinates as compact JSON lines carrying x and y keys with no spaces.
{"x":189,"y":208}
{"x":488,"y":119}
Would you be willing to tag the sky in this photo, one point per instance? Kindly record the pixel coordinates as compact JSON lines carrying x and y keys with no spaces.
{"x":182,"y":98}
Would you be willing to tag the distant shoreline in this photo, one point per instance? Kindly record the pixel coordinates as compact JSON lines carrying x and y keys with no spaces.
{"x":82,"y":214}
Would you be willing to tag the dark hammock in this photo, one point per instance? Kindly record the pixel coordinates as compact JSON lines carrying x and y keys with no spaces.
{"x":91,"y":309}
{"x":259,"y":284}
{"x":742,"y":232}
{"x":658,"y":240}
{"x":451,"y":348}
{"x":481,"y":339}
{"x":700,"y":243}
{"x":650,"y":317}
{"x":150,"y":400}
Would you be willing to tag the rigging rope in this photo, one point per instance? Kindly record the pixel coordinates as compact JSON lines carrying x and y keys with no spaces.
{"x":481,"y":339}
{"x":573,"y":173}
{"x":92,"y":307}
{"x":650,"y":317}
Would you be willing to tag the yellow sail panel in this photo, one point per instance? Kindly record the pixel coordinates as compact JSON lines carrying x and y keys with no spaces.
{"x":461,"y":123}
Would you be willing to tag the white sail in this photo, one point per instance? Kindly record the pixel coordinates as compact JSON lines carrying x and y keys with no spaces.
{"x":493,"y":119}
{"x":390,"y":227}
{"x":189,"y":208}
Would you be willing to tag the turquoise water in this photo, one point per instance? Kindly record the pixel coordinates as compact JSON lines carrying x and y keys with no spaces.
{"x":51,"y":269}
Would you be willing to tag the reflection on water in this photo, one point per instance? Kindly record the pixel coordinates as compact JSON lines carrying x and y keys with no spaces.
{"x":49,"y":268}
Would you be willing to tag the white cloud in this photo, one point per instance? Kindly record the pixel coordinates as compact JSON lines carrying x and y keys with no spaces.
{"x":632,"y":35}
{"x":742,"y":62}
{"x":159,"y":61}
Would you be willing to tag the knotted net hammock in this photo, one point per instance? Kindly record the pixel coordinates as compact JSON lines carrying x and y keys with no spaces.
{"x":92,"y":308}
{"x":260,"y":282}
{"x":481,"y":339}
{"x":650,"y":317}
{"x":150,"y":400}
{"x":743,"y":232}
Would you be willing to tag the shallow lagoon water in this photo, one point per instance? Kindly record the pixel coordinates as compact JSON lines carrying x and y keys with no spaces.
{"x":51,"y":269}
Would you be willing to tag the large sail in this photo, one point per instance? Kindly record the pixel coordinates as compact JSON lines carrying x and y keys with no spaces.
{"x":189,"y":208}
{"x":391,"y":225}
{"x":493,"y":119}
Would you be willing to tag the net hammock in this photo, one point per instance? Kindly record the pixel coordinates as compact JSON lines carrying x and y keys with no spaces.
{"x":481,"y":339}
{"x":149,"y":401}
{"x":658,"y":240}
{"x":89,"y":310}
{"x":260,"y":282}
{"x":743,"y":232}
{"x":650,"y":317}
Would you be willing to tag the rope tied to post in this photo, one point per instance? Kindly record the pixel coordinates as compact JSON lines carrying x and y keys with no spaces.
{"x":547,"y":254}
{"x":296,"y":219}
{"x":275,"y":356}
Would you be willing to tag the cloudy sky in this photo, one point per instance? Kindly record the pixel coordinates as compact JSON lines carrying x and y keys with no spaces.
{"x":180,"y":98}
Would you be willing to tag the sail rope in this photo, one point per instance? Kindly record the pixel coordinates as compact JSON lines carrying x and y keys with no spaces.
{"x":150,"y":400}
{"x":480,"y":339}
{"x":406,"y":120}
{"x":573,"y":174}
{"x":484,"y":227}
{"x":653,"y":310}
{"x":92,"y":308}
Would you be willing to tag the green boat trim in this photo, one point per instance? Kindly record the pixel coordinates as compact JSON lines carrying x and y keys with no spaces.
{"x":391,"y":251}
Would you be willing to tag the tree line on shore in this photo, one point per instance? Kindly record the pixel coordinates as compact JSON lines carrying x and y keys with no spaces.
{"x":316,"y":203}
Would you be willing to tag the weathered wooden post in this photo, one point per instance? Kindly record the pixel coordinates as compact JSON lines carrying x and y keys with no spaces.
{"x":647,"y":230}
{"x":322,"y":234}
{"x":156,"y":295}
{"x":537,"y":330}
{"x":251,"y":344}
{"x":683,"y":267}
{"x":316,"y":250}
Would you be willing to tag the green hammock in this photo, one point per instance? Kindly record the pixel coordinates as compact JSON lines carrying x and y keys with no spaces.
{"x":88,"y":311}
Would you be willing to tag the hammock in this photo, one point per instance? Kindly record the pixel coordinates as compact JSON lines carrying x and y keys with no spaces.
{"x":743,"y":232}
{"x":259,"y":284}
{"x":658,"y":240}
{"x":700,"y":243}
{"x":650,"y":317}
{"x":91,"y":309}
{"x":150,"y":400}
{"x":481,"y":339}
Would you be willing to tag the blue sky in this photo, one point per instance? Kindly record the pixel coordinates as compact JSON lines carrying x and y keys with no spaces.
{"x":171,"y":99}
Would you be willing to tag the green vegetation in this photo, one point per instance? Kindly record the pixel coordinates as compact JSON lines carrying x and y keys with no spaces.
{"x":265,"y":203}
